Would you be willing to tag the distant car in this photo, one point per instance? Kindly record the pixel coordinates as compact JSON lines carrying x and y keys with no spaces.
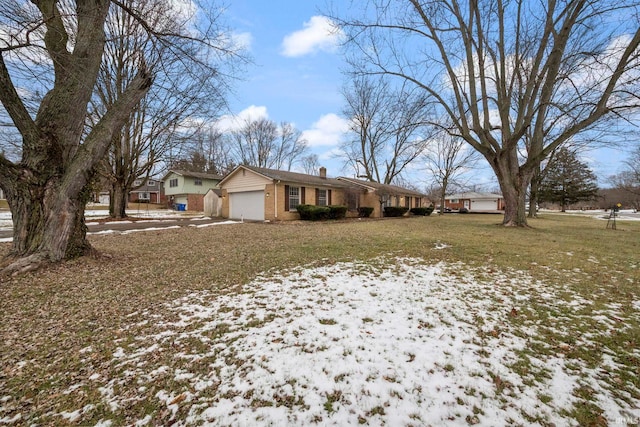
{"x":445,"y":210}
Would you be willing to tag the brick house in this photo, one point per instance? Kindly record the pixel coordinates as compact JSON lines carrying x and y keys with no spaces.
{"x":261,"y":194}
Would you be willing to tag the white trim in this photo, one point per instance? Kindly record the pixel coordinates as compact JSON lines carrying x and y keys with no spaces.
{"x":248,"y":188}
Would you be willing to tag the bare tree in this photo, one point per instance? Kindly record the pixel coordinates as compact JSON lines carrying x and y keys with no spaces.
{"x":211,"y":143}
{"x":60,"y":47}
{"x":254,"y":141}
{"x":310,"y":164}
{"x":183,"y":88}
{"x":632,"y":167}
{"x":498,"y":69}
{"x":446,"y":158}
{"x":387,"y":126}
{"x":206,"y":152}
{"x":628,"y":180}
{"x":262,"y":143}
{"x":290,"y":148}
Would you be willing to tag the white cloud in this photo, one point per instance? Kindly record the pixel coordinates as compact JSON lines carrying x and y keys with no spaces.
{"x":328,"y":130}
{"x":242,"y":41}
{"x":231,"y":122}
{"x":319,"y":34}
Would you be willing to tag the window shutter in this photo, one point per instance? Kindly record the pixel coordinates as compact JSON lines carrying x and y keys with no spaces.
{"x":302,"y":196}
{"x":286,"y":198}
{"x":317,"y":197}
{"x":328,"y":197}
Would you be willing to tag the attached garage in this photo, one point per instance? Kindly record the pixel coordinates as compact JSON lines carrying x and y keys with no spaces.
{"x":484,"y":205}
{"x":475,"y":202}
{"x":247,"y":205}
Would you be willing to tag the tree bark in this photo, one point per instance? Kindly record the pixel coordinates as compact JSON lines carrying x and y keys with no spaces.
{"x":533,"y":193}
{"x":514,"y":181}
{"x":118,"y":203}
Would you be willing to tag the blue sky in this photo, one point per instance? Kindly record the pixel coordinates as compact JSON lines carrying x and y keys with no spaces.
{"x":296,"y":77}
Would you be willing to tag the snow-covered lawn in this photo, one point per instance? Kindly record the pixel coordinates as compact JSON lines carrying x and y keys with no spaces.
{"x":393,"y":342}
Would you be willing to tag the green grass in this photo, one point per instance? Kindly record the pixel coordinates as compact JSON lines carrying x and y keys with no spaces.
{"x":47,"y":317}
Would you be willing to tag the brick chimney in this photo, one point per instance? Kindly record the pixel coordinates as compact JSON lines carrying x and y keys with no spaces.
{"x":323,"y":172}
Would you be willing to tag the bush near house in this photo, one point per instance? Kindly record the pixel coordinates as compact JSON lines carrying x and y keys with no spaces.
{"x":318,"y":213}
{"x":394,"y":211}
{"x":312,"y":212}
{"x":365,"y":211}
{"x":337,"y":212}
{"x":422,"y":211}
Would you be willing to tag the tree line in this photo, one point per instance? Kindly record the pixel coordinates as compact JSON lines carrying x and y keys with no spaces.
{"x":257,"y":142}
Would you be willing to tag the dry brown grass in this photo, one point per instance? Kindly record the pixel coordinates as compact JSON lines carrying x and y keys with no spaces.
{"x":47,"y":317}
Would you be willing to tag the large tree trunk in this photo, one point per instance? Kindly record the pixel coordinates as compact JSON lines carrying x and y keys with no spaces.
{"x":533,"y":193}
{"x":514,"y":182}
{"x":118,"y":202}
{"x":47,"y":226}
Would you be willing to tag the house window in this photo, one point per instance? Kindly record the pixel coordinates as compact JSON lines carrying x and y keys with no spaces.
{"x":294,"y":198}
{"x":197,"y":181}
{"x":173,"y":182}
{"x":144,"y":196}
{"x":352,"y":201}
{"x":151,"y":183}
{"x":136,"y":183}
{"x":453,"y":201}
{"x":322,"y":198}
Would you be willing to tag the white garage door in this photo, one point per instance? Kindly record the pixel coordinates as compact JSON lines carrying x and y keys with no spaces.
{"x":484,"y":205}
{"x":247,"y":205}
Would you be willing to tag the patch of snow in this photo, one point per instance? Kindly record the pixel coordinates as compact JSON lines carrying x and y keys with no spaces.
{"x":440,"y":246}
{"x":143,"y":422}
{"x":389,"y":342}
{"x":214,"y":223}
{"x":150,"y":229}
{"x":6,"y":420}
{"x":71,"y":416}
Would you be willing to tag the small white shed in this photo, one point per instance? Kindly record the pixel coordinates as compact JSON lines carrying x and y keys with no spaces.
{"x":213,"y":202}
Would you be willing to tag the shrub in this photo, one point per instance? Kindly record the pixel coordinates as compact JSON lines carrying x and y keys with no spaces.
{"x":422,"y":211}
{"x":312,"y":212}
{"x":365,"y":211}
{"x":419,"y":211}
{"x":392,"y":211}
{"x":463,"y":210}
{"x":337,"y":212}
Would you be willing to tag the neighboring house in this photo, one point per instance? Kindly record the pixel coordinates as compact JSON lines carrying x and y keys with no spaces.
{"x":253,"y":193}
{"x":475,"y":202}
{"x":150,"y":191}
{"x":188,"y":188}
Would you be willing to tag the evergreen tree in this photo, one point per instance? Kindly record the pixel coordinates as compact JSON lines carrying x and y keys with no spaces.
{"x":567,"y":180}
